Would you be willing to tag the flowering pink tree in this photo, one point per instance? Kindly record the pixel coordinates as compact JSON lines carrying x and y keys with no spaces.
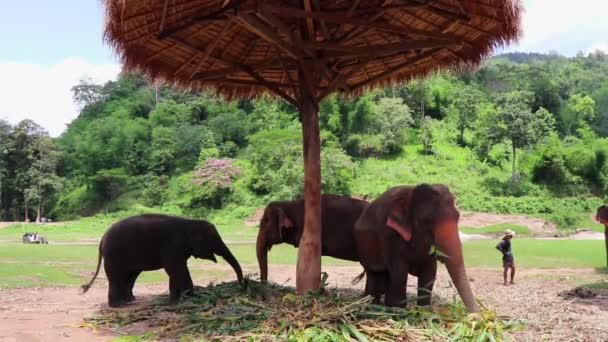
{"x":216,"y":173}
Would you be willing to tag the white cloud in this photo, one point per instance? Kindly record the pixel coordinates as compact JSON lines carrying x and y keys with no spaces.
{"x":42,"y":93}
{"x":565,"y":26}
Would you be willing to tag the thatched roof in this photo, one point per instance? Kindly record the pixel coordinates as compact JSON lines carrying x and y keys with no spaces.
{"x":244,"y":47}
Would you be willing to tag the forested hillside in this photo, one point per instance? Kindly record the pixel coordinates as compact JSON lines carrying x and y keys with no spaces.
{"x":526,"y":133}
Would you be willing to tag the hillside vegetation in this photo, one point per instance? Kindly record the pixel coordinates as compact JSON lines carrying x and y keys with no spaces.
{"x":526,"y":134}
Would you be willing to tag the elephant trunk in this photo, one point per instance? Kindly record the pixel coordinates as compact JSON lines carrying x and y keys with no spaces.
{"x":262,"y":254}
{"x":225,"y":253}
{"x":448,"y":242}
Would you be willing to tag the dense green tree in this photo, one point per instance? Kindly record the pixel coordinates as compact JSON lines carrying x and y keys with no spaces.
{"x":464,"y":110}
{"x":579,"y":112}
{"x":515,"y":122}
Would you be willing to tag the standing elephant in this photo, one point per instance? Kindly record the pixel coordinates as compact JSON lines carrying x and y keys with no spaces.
{"x":151,"y":242}
{"x":283,"y":222}
{"x":395,"y":235}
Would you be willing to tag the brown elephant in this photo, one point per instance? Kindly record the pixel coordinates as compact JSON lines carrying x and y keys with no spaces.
{"x":395,"y":235}
{"x":283,"y":222}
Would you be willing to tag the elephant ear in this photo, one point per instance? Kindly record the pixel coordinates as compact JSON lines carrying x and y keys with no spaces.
{"x":398,"y":220}
{"x":284,"y":221}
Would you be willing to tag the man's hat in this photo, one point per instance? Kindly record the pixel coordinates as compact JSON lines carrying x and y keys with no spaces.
{"x":507,"y":233}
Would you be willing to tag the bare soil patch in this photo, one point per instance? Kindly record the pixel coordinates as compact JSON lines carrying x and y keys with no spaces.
{"x":480,"y":220}
{"x":55,"y":314}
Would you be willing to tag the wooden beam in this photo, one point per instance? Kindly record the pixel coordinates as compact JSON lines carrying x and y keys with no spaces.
{"x":335,"y":50}
{"x":163,"y":17}
{"x":283,"y":29}
{"x":341,"y":18}
{"x":443,"y":12}
{"x":324,"y":29}
{"x":308,"y":270}
{"x":209,"y":48}
{"x":255,"y":25}
{"x":202,"y":18}
{"x":342,"y":78}
{"x":309,"y":23}
{"x":269,"y":85}
{"x":256,"y":83}
{"x":396,"y":68}
{"x":218,"y":73}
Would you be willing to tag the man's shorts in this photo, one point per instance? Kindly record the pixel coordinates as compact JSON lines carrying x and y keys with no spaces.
{"x":508,"y":263}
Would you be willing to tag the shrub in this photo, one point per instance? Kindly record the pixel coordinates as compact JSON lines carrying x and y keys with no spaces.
{"x":277,"y":169}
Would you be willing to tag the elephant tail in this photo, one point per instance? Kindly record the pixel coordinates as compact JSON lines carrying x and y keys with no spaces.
{"x":84,"y":288}
{"x":358,"y":278}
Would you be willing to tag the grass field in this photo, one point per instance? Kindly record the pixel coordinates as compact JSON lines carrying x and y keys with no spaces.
{"x":93,"y":228}
{"x":56,"y":265}
{"x":498,"y":229}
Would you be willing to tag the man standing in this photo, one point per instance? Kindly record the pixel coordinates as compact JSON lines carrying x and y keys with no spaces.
{"x":508,"y":262}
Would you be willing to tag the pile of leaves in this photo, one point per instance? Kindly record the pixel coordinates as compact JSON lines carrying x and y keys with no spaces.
{"x":255,"y":311}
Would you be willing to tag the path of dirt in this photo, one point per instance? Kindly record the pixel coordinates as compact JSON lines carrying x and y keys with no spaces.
{"x":479,"y":220}
{"x":54,"y":314}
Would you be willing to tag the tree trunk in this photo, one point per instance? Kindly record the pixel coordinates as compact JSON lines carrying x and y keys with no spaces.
{"x":513,"y":165}
{"x":606,"y":243}
{"x":27,"y":217}
{"x":38,"y":213}
{"x":462,"y":135}
{"x":308,"y":275}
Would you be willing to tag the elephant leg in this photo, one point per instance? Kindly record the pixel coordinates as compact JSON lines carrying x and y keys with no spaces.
{"x":426,"y":281}
{"x":117,"y":285}
{"x":117,"y":290}
{"x":180,"y":281}
{"x":397,"y":282}
{"x":130,"y":283}
{"x":376,"y":285}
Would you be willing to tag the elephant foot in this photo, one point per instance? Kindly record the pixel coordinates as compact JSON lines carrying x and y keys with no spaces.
{"x":118,"y":304}
{"x":130,"y":299}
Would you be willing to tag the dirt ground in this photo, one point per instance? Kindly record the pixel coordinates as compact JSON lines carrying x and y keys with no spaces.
{"x":479,"y":220}
{"x":539,"y":297}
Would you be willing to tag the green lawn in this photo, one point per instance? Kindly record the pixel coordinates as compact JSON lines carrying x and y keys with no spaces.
{"x":52,"y":265}
{"x":589,"y":223}
{"x":93,"y":228}
{"x":535,"y":253}
{"x":498,"y":229}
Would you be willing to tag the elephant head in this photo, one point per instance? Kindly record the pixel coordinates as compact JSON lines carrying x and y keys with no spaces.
{"x":427,"y":215}
{"x":602,"y":215}
{"x":275,"y":227}
{"x":205,"y":242}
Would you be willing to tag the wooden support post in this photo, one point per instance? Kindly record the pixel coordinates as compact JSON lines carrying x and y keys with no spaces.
{"x":308,"y":273}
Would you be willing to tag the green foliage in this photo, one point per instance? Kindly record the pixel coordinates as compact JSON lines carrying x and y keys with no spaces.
{"x":426,"y":135}
{"x":276,"y":165}
{"x":136,"y":145}
{"x":579,"y":111}
{"x":163,"y":153}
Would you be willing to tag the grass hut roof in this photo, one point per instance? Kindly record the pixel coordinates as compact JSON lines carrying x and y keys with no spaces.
{"x":244,"y":47}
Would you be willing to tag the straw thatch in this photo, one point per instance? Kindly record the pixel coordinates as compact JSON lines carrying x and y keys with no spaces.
{"x":244,"y":47}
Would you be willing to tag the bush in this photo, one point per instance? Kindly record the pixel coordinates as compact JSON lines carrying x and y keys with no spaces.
{"x":155,"y":188}
{"x":277,"y":170}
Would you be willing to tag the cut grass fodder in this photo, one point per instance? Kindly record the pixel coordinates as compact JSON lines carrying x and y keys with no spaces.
{"x":265,"y":312}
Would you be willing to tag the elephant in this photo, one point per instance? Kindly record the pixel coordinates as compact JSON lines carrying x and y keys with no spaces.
{"x":395,"y":236}
{"x":283,"y":222}
{"x":151,"y":242}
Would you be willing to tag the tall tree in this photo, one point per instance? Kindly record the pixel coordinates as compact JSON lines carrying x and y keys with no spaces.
{"x":515,"y":122}
{"x":464,"y":109}
{"x":579,"y":112}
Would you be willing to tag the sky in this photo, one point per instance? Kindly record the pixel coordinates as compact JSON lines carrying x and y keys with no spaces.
{"x":48,"y":46}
